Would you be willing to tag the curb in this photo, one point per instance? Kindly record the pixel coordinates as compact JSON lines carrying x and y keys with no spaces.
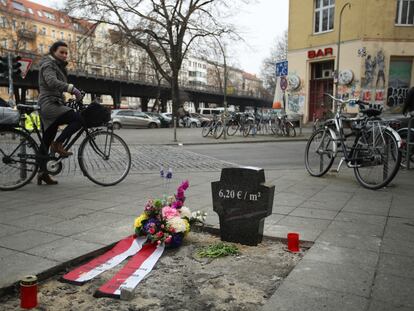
{"x":221,"y":142}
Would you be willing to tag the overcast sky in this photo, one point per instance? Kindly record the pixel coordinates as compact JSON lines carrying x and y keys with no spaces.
{"x":260,"y":22}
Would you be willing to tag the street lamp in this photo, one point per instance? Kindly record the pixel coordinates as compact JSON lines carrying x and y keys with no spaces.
{"x":339,"y":47}
{"x":225,"y":86}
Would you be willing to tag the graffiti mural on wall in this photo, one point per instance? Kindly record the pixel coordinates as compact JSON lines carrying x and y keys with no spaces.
{"x":373,"y":82}
{"x":296,"y":103}
{"x":399,"y":82}
{"x":296,"y":97}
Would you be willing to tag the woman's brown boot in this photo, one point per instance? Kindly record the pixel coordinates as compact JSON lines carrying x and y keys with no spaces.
{"x":44,"y":177}
{"x":58,"y":148}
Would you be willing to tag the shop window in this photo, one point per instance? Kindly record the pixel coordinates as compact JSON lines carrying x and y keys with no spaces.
{"x":324,"y":15}
{"x":405,"y":12}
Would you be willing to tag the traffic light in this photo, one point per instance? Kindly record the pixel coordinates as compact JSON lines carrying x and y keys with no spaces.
{"x":16,"y":65}
{"x":4,"y":66}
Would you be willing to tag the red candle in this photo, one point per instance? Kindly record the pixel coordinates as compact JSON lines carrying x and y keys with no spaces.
{"x":28,"y":292}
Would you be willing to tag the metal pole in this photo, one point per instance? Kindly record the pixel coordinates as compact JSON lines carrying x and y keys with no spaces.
{"x":339,"y":48}
{"x":225,"y":88}
{"x":11,"y":91}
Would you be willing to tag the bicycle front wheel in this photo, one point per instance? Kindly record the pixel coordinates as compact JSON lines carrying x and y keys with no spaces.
{"x":218,"y":130}
{"x":104,"y":158}
{"x":18,"y":163}
{"x":206,"y":129}
{"x":232,"y":128}
{"x":377,"y":159}
{"x":290,"y":130}
{"x":319,"y":154}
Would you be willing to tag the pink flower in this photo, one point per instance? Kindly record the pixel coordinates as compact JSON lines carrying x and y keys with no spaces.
{"x":169,"y":212}
{"x":162,"y":226}
{"x":172,"y":230}
{"x":151,"y":230}
{"x":158,"y":242}
{"x":160,"y":234}
{"x":168,"y":239}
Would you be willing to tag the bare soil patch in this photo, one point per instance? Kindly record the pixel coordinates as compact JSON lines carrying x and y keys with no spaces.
{"x":182,"y":281}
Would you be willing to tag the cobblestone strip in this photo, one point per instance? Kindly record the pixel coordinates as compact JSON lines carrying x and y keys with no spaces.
{"x":149,"y":158}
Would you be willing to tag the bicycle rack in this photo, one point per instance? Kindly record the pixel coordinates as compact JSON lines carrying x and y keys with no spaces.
{"x":410,"y":141}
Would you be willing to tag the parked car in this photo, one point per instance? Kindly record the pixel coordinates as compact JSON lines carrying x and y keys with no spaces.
{"x":203,"y":119}
{"x":133,"y":118}
{"x":165,"y":122}
{"x":190,"y":122}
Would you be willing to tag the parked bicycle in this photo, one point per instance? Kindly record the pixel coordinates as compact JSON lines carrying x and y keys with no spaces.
{"x":283,"y":127}
{"x":103,"y":157}
{"x":373,"y":153}
{"x":239,"y":122}
{"x":214,"y":127}
{"x":407,"y":154}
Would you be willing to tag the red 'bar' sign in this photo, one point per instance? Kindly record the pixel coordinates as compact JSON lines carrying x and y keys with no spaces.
{"x":320,"y":52}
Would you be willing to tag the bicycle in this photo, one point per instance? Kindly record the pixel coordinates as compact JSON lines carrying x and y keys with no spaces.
{"x":374,"y":153}
{"x":407,"y":151}
{"x":283,"y":127}
{"x":239,"y":122}
{"x":103,"y":157}
{"x":214,"y":127}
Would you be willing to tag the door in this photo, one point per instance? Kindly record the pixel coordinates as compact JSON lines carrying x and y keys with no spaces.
{"x":321,"y":82}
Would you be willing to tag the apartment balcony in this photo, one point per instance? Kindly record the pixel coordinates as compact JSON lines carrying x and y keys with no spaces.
{"x":26,"y":34}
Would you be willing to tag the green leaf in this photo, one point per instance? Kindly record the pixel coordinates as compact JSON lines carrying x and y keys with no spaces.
{"x":218,"y":250}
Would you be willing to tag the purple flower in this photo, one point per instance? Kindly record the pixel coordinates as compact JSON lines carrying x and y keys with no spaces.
{"x":176,"y":241}
{"x":151,"y":223}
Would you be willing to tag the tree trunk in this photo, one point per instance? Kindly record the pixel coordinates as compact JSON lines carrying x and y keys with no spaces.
{"x":175,"y":95}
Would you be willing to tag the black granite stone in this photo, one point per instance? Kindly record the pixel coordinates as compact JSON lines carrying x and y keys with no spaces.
{"x":242,"y":200}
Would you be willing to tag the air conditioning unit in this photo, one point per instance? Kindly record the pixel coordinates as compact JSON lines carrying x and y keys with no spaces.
{"x":327,"y":73}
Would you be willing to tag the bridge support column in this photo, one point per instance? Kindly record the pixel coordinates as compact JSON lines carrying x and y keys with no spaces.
{"x":163,"y":102}
{"x":144,"y":104}
{"x":196,"y":105}
{"x":116,"y":97}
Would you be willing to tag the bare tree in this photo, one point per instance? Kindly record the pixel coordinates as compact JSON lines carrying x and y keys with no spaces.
{"x":169,"y":26}
{"x":277,"y":53}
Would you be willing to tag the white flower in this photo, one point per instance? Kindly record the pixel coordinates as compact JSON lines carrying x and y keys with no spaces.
{"x":199,"y":215}
{"x":177,"y":223}
{"x":185,"y":212}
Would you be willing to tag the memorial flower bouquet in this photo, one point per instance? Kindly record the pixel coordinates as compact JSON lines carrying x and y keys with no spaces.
{"x":166,"y":220}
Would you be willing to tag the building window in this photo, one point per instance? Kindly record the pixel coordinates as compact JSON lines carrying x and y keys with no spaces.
{"x":62,"y":20}
{"x":39,"y":13}
{"x":405,"y":12}
{"x":30,"y":10}
{"x":70,"y":37}
{"x":35,"y":28}
{"x":41,"y":48}
{"x":4,"y":43}
{"x":14,"y":24}
{"x":43,"y":32}
{"x":4,"y":2}
{"x":324,"y":15}
{"x":23,"y":25}
{"x":24,"y":45}
{"x":3,"y":22}
{"x":62,"y":35}
{"x":53,"y":33}
{"x":18,"y":6}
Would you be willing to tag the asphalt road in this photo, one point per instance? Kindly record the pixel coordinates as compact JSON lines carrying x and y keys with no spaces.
{"x":279,"y":155}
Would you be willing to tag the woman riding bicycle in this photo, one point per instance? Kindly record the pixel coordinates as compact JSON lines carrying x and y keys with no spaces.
{"x":53,"y":112}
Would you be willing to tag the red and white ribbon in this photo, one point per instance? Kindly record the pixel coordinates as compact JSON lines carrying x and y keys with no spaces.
{"x":133,"y":272}
{"x":122,"y":250}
